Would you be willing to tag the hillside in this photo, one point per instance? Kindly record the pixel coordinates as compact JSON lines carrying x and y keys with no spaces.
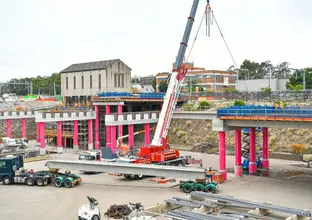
{"x":190,"y":132}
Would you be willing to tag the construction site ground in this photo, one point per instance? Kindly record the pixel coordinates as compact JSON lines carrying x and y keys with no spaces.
{"x":45,"y":203}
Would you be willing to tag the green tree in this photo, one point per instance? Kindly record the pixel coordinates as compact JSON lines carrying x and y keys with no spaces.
{"x":163,"y":85}
{"x":154,"y":84}
{"x":297,"y":79}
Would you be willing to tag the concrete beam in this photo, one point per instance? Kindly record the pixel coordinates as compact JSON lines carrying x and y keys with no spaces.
{"x":144,"y":169}
{"x":64,"y":116}
{"x":268,"y":124}
{"x":17,"y":115}
{"x":108,"y":103}
{"x":198,"y":115}
{"x":219,"y":125}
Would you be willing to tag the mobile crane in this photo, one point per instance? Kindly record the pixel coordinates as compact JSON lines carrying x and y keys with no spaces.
{"x":159,"y":151}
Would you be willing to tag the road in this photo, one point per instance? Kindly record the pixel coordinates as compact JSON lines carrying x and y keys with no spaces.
{"x":49,"y":203}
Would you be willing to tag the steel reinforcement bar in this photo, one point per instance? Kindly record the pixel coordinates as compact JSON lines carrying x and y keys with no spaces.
{"x":128,"y":168}
{"x":275,"y":208}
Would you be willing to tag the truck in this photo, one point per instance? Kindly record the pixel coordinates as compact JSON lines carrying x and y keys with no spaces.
{"x":90,"y":156}
{"x":12,"y":172}
{"x":20,"y":143}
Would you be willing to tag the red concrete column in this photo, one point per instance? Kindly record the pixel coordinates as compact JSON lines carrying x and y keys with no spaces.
{"x":97,"y":127}
{"x":59,"y":137}
{"x":265,"y":148}
{"x":147,"y":134}
{"x":238,"y":153}
{"x":8,"y":123}
{"x":76,"y":146}
{"x":42,"y":138}
{"x":113,"y":139}
{"x":24,"y":134}
{"x":108,"y":128}
{"x":38,"y":132}
{"x":131,"y":135}
{"x":90,"y":135}
{"x":120,"y":132}
{"x":252,"y":151}
{"x":222,"y":154}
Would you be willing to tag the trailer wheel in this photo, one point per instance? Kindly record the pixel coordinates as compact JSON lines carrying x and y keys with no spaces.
{"x":6,"y":180}
{"x":30,"y":181}
{"x":138,"y":177}
{"x":58,"y":183}
{"x":210,"y":189}
{"x":127,"y":176}
{"x":68,"y":183}
{"x":40,"y":182}
{"x":199,"y":188}
{"x":187,"y":189}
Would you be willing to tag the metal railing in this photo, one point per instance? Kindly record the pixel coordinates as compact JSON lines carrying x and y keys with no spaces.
{"x":257,"y":95}
{"x":265,"y":112}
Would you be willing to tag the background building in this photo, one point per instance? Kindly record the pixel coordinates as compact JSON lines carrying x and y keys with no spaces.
{"x":143,"y":83}
{"x":82,"y":80}
{"x":257,"y":84}
{"x":204,"y":80}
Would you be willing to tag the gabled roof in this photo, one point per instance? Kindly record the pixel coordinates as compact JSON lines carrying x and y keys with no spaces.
{"x":97,"y":65}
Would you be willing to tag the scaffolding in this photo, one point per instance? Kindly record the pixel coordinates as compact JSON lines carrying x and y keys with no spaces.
{"x":246,"y":141}
{"x":102,"y":128}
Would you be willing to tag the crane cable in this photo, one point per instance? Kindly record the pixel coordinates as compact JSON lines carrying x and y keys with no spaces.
{"x":210,"y":17}
{"x":227,"y":46}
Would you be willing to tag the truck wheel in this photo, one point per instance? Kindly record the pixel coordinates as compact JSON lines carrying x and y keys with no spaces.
{"x":187,"y":189}
{"x":138,"y":177}
{"x":6,"y":180}
{"x":127,"y":176}
{"x":30,"y":181}
{"x":95,"y":217}
{"x":40,"y":182}
{"x":58,"y":183}
{"x":68,"y":183}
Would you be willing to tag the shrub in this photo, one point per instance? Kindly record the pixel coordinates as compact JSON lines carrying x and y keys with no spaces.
{"x":298,"y":149}
{"x":205,"y":104}
{"x":239,"y":103}
{"x":229,"y":90}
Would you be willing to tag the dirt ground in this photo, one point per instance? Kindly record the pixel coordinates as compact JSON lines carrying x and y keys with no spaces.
{"x":48,"y":203}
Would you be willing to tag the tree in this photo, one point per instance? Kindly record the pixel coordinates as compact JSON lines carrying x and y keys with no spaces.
{"x":297,"y":79}
{"x":154,"y":84}
{"x":248,"y":70}
{"x":163,"y":85}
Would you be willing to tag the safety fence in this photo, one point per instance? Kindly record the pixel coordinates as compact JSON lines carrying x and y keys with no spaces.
{"x":256,"y":95}
{"x":291,"y":113}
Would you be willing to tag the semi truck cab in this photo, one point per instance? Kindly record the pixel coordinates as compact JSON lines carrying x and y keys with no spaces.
{"x":8,"y":166}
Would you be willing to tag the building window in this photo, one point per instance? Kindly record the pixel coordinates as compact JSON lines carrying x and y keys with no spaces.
{"x":118,"y":67}
{"x":74,"y":82}
{"x":82,"y":82}
{"x":90,"y":81}
{"x":66,"y":82}
{"x":99,"y":81}
{"x":119,"y":80}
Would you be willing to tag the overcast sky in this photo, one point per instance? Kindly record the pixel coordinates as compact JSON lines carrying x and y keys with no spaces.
{"x":39,"y":37}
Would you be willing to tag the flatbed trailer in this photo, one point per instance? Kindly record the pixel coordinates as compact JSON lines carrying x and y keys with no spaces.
{"x":61,"y":179}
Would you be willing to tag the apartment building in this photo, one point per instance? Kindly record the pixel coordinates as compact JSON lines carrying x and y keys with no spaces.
{"x":80,"y":81}
{"x":207,"y":80}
